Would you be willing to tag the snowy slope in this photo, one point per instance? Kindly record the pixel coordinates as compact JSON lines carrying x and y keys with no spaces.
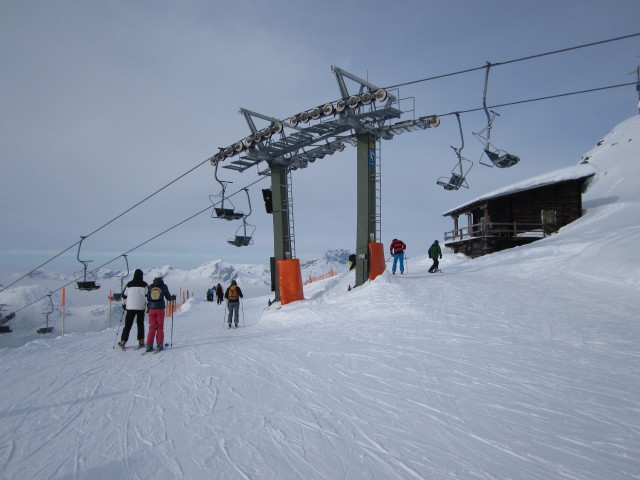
{"x":518,"y":365}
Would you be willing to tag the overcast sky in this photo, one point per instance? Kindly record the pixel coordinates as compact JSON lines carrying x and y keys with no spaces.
{"x":102,"y":103}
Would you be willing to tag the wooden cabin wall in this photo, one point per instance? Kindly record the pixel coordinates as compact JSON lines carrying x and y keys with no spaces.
{"x":525,"y":207}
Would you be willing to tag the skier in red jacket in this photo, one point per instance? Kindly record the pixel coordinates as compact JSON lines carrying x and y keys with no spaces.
{"x":397,"y":249}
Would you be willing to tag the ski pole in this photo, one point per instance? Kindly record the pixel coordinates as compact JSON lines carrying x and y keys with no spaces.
{"x":118,"y":331}
{"x":242,"y":307}
{"x":172,"y":309}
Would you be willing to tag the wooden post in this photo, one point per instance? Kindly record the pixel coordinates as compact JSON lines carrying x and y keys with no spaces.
{"x":63,"y":303}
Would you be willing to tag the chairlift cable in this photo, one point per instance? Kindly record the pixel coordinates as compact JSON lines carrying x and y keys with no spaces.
{"x":506,"y":62}
{"x":141,"y":244}
{"x":41,"y":265}
{"x":108,"y":223}
{"x":549,"y":97}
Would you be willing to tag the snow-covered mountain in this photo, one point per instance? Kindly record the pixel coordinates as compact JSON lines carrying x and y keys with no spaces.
{"x":521,"y":365}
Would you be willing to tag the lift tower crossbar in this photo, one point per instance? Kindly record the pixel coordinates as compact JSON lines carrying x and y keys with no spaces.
{"x":359,"y":118}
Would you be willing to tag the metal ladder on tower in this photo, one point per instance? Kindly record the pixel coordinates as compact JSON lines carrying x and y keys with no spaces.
{"x":378,"y":181}
{"x":292,"y":236}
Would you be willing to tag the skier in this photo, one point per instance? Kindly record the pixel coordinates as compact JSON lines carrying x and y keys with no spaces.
{"x":134,"y":302}
{"x":233,"y":296}
{"x":156,"y":295}
{"x":397,"y":249}
{"x":434,"y":253}
{"x":210,"y":293}
{"x":352,"y":261}
{"x":219,"y":293}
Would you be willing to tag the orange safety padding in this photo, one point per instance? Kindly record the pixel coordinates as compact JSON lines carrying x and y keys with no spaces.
{"x":376,"y":260}
{"x":290,"y":280}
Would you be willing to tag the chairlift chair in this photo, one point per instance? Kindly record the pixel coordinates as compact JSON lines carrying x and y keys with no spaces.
{"x":221,"y":211}
{"x":244,"y":234}
{"x":47,"y":329}
{"x":117,"y":297}
{"x":244,"y":238}
{"x":498,"y":158}
{"x":460,"y":171}
{"x":4,"y":319}
{"x":84,"y":284}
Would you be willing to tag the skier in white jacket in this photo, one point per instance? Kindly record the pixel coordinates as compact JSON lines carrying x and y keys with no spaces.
{"x":135,"y":302}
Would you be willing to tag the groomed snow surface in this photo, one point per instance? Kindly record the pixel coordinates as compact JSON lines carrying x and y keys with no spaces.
{"x":521,"y":365}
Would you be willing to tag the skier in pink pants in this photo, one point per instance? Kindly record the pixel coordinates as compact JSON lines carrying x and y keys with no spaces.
{"x":156,"y":295}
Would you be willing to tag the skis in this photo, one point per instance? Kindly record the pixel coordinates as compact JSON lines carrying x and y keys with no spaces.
{"x":155,"y":351}
{"x":124,"y":348}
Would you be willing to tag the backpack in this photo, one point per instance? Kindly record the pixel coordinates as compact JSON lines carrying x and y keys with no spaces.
{"x":155,"y":294}
{"x":233,"y":293}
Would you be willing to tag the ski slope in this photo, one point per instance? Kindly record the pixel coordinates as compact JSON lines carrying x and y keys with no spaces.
{"x":518,"y":365}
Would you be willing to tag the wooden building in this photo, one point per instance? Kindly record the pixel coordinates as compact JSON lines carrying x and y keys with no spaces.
{"x":519,"y":214}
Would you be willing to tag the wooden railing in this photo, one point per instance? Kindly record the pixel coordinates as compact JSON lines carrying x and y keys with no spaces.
{"x":503,"y":230}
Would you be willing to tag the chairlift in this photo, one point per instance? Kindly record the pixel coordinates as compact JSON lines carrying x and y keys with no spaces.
{"x":498,"y":158}
{"x":244,"y":234}
{"x":460,"y":171}
{"x":117,"y":297}
{"x":4,"y":319}
{"x":84,"y":284}
{"x":221,"y":211}
{"x":47,"y":329}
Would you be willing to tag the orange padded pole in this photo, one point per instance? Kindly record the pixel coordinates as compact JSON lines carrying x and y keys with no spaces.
{"x":376,"y":260}
{"x":290,"y":280}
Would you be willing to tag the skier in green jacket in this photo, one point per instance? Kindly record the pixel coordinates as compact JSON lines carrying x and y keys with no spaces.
{"x":435,"y":253}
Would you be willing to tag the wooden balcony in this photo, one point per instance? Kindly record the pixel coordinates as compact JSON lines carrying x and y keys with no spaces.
{"x":488,"y":237}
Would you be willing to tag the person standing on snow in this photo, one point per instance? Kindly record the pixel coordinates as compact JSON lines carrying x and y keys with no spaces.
{"x":134,"y":302}
{"x":219,"y":293}
{"x":397,"y":249}
{"x":434,"y":253}
{"x":233,"y":296}
{"x":156,"y":295}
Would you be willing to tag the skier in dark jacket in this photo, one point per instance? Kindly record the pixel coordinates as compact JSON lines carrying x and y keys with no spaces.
{"x":134,"y":302}
{"x":233,"y":296}
{"x":397,"y":249}
{"x":435,"y":253}
{"x":219,"y":293}
{"x":156,"y":295}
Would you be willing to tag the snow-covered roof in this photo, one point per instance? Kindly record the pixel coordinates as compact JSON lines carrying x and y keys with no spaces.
{"x":575,"y":172}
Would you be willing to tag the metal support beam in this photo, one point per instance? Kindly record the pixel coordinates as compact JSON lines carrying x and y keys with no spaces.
{"x":281,"y":235}
{"x":366,"y":209}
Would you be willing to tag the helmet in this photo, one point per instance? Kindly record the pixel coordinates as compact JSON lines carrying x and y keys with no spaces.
{"x":233,"y":282}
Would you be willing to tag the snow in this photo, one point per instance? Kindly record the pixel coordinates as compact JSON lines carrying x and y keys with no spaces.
{"x":523,"y":364}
